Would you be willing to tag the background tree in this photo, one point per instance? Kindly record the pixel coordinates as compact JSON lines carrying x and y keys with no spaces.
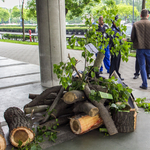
{"x":127,"y":10}
{"x":4,"y":15}
{"x":15,"y":13}
{"x":75,"y":7}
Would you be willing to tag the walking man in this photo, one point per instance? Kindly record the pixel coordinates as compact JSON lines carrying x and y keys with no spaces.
{"x":140,"y":37}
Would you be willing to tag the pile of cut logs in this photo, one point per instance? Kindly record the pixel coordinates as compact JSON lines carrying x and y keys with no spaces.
{"x":73,"y":106}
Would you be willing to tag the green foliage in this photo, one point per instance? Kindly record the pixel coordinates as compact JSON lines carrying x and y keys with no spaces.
{"x":98,"y":95}
{"x":76,"y":7}
{"x":31,"y":9}
{"x":119,"y":93}
{"x":4,"y":15}
{"x":15,"y":12}
{"x":141,"y":103}
{"x":119,"y":107}
{"x":64,"y":72}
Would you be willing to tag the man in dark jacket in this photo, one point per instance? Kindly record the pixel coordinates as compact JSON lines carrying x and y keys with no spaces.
{"x":102,"y":28}
{"x":140,"y":37}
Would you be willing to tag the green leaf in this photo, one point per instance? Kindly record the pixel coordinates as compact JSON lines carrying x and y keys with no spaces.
{"x":92,"y":74}
{"x":33,"y":147}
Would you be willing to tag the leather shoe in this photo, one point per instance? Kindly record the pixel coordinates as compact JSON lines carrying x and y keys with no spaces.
{"x":148,"y":76}
{"x":142,"y":87}
{"x":122,"y":79}
{"x":135,"y":77}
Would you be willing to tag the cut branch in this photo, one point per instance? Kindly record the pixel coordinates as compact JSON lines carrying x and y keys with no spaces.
{"x":54,"y":104}
{"x":99,"y":59}
{"x":43,"y":95}
{"x":103,"y":113}
{"x":35,"y":109}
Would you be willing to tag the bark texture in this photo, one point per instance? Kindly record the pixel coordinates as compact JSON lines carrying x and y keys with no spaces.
{"x":109,"y":123}
{"x":51,"y":123}
{"x":87,"y":108}
{"x":20,"y":128}
{"x":125,"y":121}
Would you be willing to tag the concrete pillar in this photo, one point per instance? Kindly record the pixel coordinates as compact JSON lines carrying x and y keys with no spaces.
{"x":52,"y":38}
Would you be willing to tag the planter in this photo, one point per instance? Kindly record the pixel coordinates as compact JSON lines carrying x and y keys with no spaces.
{"x":125,"y":121}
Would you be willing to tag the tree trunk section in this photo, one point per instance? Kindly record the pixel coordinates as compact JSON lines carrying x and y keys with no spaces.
{"x":99,"y":59}
{"x":35,"y":109}
{"x":20,"y":128}
{"x":43,"y":95}
{"x":109,"y":123}
{"x":73,"y":96}
{"x":87,"y":108}
{"x":2,"y":140}
{"x":81,"y":124}
{"x":125,"y":121}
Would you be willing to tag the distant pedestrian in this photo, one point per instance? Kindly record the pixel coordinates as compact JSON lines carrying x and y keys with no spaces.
{"x":140,"y":37}
{"x":137,"y":70}
{"x":115,"y":59}
{"x":102,"y":28}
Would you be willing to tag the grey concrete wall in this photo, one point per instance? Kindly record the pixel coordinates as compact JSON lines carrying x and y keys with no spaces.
{"x":52,"y":38}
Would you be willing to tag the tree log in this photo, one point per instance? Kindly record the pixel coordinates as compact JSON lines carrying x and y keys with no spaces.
{"x":35,"y":109}
{"x":59,"y":109}
{"x":125,"y":121}
{"x":53,"y":104}
{"x":103,"y":113}
{"x":2,"y":140}
{"x":61,"y":121}
{"x":20,"y":128}
{"x":73,"y":96}
{"x":50,"y":96}
{"x":81,"y":124}
{"x":43,"y":95}
{"x":87,"y":108}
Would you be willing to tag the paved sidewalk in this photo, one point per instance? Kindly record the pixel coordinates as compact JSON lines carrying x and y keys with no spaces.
{"x":20,"y":75}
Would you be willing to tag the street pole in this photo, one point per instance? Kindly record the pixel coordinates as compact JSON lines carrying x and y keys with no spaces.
{"x":133,"y":13}
{"x":23,"y":21}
